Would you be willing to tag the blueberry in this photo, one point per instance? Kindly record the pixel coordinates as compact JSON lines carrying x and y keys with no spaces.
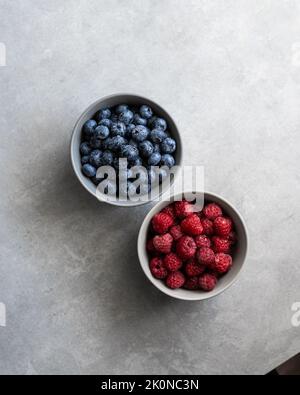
{"x":85,"y":159}
{"x":156,"y":148}
{"x":121,"y":108}
{"x":118,"y":129}
{"x":154,"y":159}
{"x":168,"y":146}
{"x":101,"y":132}
{"x":157,"y":136}
{"x":89,"y":170}
{"x":89,"y":127}
{"x":138,"y":120}
{"x":129,"y":130}
{"x":130,"y":152}
{"x":137,"y":162}
{"x":115,"y":143}
{"x":85,"y":149}
{"x":105,"y":122}
{"x":107,"y":143}
{"x":146,"y":149}
{"x":114,"y":118}
{"x":126,"y":117}
{"x":134,"y":143}
{"x":140,"y":133}
{"x":167,"y":160}
{"x":146,"y":112}
{"x":158,"y":123}
{"x":103,"y":114}
{"x":107,"y":158}
{"x":95,"y":158}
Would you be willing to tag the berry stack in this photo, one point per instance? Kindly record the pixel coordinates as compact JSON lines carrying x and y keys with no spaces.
{"x":190,"y":249}
{"x":125,"y":132}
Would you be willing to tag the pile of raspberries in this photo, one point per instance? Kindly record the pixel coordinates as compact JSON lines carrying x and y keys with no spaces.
{"x":189,"y":249}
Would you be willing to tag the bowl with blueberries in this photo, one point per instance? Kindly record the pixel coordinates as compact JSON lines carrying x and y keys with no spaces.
{"x":126,"y":150}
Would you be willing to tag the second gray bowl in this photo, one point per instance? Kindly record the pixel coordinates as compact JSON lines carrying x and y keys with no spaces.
{"x":112,"y":101}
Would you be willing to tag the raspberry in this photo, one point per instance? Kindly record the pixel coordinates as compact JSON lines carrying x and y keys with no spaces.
{"x":192,"y":225}
{"x":176,"y":232}
{"x":221,"y":245}
{"x":183,"y":209}
{"x":157,"y":268}
{"x":161,"y":223}
{"x":208,"y":226}
{"x":206,"y":256}
{"x":172,"y":262}
{"x":170,"y":210}
{"x":232,"y":237}
{"x":223,"y":226}
{"x":150,"y":247}
{"x":192,"y":283}
{"x":202,"y":241}
{"x":223,"y":263}
{"x":193,"y":268}
{"x":207,"y":282}
{"x":163,"y":244}
{"x":212,"y":211}
{"x":186,"y":248}
{"x":175,"y":280}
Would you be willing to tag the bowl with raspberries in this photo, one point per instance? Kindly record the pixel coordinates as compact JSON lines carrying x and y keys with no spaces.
{"x":193,"y":251}
{"x":132,"y":128}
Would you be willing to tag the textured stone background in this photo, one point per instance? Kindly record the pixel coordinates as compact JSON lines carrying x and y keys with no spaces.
{"x":77,"y":301}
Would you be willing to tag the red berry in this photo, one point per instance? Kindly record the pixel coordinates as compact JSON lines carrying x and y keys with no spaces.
{"x":176,"y":232}
{"x":157,"y":268}
{"x":192,"y":225}
{"x":202,"y":241}
{"x":223,"y":226}
{"x":163,"y":244}
{"x":192,"y":283}
{"x":208,"y":282}
{"x":172,"y":262}
{"x":206,"y":256}
{"x":223,"y":263}
{"x":212,"y":211}
{"x":221,"y":245}
{"x":193,"y":268}
{"x":150,"y":247}
{"x":186,"y":247}
{"x":208,"y":227}
{"x":183,"y":209}
{"x":175,"y":280}
{"x":162,"y":222}
{"x":232,"y":237}
{"x":170,"y":210}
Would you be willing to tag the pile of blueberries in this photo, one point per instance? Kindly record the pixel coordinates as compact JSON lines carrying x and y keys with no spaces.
{"x":136,"y":134}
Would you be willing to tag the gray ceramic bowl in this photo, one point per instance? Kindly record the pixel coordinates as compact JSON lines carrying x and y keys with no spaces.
{"x":239,"y":256}
{"x":112,"y":101}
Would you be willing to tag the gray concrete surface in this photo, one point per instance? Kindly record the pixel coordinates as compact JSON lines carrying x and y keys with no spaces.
{"x":76,"y":299}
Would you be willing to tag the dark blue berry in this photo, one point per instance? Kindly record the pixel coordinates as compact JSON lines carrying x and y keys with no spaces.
{"x":138,"y":120}
{"x":126,"y":117}
{"x":85,"y":160}
{"x":154,"y":159}
{"x":95,"y":158}
{"x":130,"y":152}
{"x":168,"y":146}
{"x":156,"y":148}
{"x":146,"y":112}
{"x":106,"y":122}
{"x":114,"y":118}
{"x":146,"y":148}
{"x":134,"y":143}
{"x":129,"y":130}
{"x":89,"y":127}
{"x":121,"y":108}
{"x":140,"y":133}
{"x":101,"y":132}
{"x":103,"y":114}
{"x":167,"y":160}
{"x":137,"y":162}
{"x":107,"y":158}
{"x":118,"y":129}
{"x":116,"y":143}
{"x":85,"y":149}
{"x":158,"y":123}
{"x":157,"y":136}
{"x":89,"y":170}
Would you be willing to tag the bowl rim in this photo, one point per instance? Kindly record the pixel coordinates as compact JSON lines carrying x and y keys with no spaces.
{"x":162,"y":287}
{"x":74,"y":135}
